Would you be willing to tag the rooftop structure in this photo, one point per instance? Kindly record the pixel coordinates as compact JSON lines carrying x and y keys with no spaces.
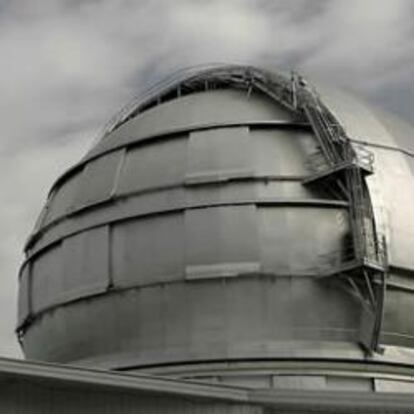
{"x":29,"y":387}
{"x":232,"y":226}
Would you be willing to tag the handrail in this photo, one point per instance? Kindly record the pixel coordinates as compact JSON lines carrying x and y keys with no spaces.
{"x":187,"y":75}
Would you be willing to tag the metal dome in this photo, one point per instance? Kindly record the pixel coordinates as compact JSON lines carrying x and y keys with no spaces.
{"x":230,"y":215}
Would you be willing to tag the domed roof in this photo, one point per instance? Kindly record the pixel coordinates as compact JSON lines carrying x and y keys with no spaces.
{"x":193,"y":231}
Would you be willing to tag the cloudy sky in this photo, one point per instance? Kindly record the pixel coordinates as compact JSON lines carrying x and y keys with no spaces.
{"x":67,"y":66}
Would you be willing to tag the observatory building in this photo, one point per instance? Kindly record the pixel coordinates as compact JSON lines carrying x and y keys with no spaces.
{"x":235,"y":241}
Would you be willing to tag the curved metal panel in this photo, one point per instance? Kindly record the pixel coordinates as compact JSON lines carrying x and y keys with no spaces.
{"x":47,"y":278}
{"x":385,"y":135}
{"x":401,"y":131}
{"x":221,"y":241}
{"x":212,"y":155}
{"x":23,"y":305}
{"x":301,"y":240}
{"x":63,"y":199}
{"x":155,"y":165}
{"x":148,"y":251}
{"x":250,"y":317}
{"x":75,"y":268}
{"x":269,"y":155}
{"x":399,"y":311}
{"x":386,"y":385}
{"x":98,"y":180}
{"x":357,"y":117}
{"x":194,"y":110}
{"x":85,"y":264}
{"x":284,"y":153}
{"x":394,"y":172}
{"x":249,"y":190}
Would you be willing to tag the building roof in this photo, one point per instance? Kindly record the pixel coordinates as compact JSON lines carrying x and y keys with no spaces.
{"x":38,"y":387}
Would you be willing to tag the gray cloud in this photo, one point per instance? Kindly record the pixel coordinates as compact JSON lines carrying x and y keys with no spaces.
{"x":68,"y":65}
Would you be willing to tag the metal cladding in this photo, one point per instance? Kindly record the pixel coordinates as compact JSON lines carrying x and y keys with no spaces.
{"x":209,"y":226}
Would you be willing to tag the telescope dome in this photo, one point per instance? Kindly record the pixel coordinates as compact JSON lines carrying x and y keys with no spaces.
{"x":212,"y":229}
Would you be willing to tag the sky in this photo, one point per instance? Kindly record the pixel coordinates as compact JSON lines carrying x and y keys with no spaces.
{"x":68,"y":65}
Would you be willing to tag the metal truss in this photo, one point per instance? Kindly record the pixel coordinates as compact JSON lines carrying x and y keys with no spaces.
{"x":338,"y":165}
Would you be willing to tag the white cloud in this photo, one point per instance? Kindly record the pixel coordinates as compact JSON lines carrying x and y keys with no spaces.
{"x":362,"y":42}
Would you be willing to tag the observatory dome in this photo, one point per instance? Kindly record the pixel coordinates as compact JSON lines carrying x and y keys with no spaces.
{"x":229,"y":219}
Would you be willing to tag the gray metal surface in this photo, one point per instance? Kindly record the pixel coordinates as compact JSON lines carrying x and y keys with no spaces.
{"x":179,"y":322}
{"x":187,"y":235}
{"x":192,"y":111}
{"x":135,"y":245}
{"x":157,"y":165}
{"x":35,"y":388}
{"x":391,"y":141}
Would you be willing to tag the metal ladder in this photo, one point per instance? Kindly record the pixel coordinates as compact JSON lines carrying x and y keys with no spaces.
{"x":366,"y":270}
{"x":365,"y":263}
